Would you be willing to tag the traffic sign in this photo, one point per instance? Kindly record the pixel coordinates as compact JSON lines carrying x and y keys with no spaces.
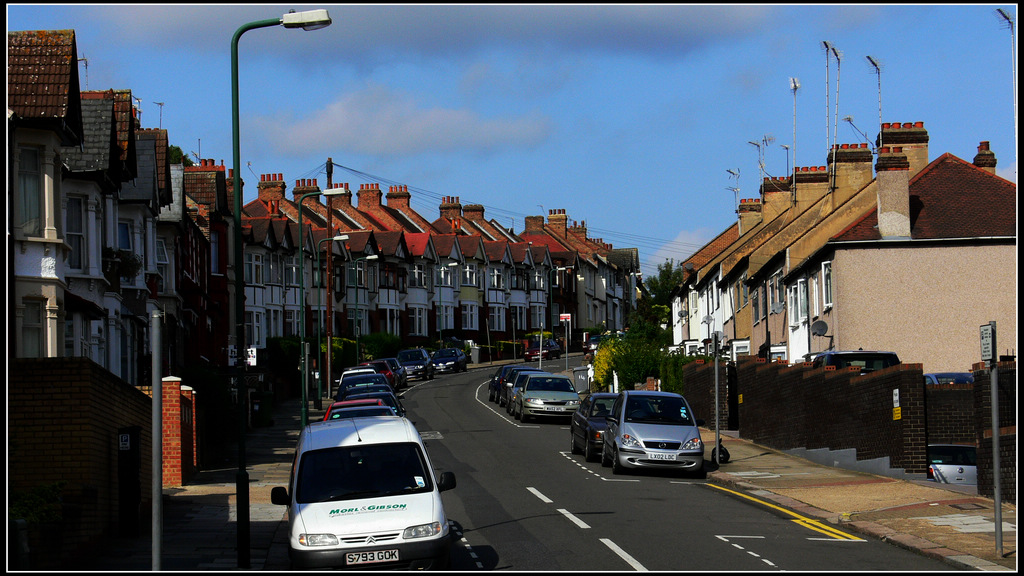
{"x":988,"y":342}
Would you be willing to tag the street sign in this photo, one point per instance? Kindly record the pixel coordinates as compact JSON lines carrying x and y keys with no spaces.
{"x":564,"y":317}
{"x":988,"y":342}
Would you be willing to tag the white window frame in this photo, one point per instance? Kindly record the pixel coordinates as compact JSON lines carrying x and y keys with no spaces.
{"x":74,"y":232}
{"x":418,"y":276}
{"x":469,"y":275}
{"x":30,"y":190}
{"x":470,"y":320}
{"x":496,"y":319}
{"x":164,"y":283}
{"x":418,"y":325}
{"x":826,"y":286}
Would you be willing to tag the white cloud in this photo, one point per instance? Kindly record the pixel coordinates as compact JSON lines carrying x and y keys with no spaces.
{"x":380,"y":121}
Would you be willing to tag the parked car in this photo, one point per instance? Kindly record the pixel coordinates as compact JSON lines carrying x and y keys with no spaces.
{"x":497,"y":381}
{"x":362,"y":383}
{"x":356,"y":408}
{"x":592,"y":343}
{"x":936,"y":378}
{"x":365,"y":497}
{"x":514,"y":383}
{"x":866,"y":360}
{"x":388,"y":398}
{"x":545,"y":394}
{"x":348,"y":373}
{"x":551,"y":350}
{"x":384,"y":368}
{"x":401,"y":374}
{"x":417,"y":363}
{"x":953,"y":463}
{"x":653,"y":430}
{"x":449,"y":360}
{"x":586,"y":431}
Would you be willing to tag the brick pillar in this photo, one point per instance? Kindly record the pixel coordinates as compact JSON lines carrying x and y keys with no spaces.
{"x":171,"y":416}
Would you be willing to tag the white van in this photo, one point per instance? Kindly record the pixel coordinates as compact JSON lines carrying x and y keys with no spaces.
{"x":362,"y":494}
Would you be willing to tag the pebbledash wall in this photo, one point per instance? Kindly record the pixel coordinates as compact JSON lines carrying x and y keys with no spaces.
{"x":64,"y":416}
{"x":787,"y":407}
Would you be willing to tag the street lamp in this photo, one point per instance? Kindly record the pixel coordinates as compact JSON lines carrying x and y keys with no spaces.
{"x":320,"y":372}
{"x":308,"y":20}
{"x":358,"y":324}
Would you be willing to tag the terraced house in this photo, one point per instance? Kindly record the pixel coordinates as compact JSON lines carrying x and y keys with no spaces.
{"x":881,"y":249}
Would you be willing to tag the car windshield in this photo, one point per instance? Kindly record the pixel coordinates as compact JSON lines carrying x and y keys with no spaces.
{"x":361,"y":411}
{"x":364,"y":379}
{"x":386,"y":397}
{"x":553,"y":384}
{"x":333,"y":474}
{"x":410,"y":355}
{"x":866,"y":361}
{"x":445,"y":353}
{"x":658,"y":410}
{"x":956,"y":455}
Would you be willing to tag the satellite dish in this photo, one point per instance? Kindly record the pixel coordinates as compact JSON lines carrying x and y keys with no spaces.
{"x":819,"y":328}
{"x":778,"y":307}
{"x":682,"y":313}
{"x":688,"y":266}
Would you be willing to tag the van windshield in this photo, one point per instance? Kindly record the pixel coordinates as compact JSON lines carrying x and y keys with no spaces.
{"x":365,"y":471}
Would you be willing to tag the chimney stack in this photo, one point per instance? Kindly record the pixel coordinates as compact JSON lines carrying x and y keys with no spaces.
{"x":912,"y":138}
{"x":893,"y":171}
{"x":534,"y":225}
{"x":398,"y":197}
{"x":451,"y":208}
{"x":853,"y":171}
{"x":986,"y":159}
{"x":473,"y":212}
{"x":558,"y":221}
{"x":269,"y":188}
{"x":749,"y":212}
{"x":369,"y":197}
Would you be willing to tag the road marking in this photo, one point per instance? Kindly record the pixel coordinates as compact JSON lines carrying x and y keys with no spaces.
{"x":568,"y":456}
{"x":797,"y":518}
{"x":622,"y":554}
{"x":726,"y":539}
{"x":537,"y":493}
{"x":573,"y":518}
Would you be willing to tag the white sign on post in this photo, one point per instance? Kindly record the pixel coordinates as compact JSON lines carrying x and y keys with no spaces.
{"x":988,"y":344}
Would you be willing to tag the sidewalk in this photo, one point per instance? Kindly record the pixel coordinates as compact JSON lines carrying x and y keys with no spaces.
{"x":948,"y":523}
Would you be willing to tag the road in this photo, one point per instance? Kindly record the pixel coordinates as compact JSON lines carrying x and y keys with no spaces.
{"x":524,"y":503}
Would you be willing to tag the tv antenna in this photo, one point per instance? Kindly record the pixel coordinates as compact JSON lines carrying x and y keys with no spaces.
{"x":1008,"y":22}
{"x":878,"y":71}
{"x":161,"y":105}
{"x":794,"y":85}
{"x":85,"y":60}
{"x":849,"y":120}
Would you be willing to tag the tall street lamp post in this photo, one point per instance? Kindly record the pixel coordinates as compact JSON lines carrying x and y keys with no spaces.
{"x":308,"y":20}
{"x":320,"y":374}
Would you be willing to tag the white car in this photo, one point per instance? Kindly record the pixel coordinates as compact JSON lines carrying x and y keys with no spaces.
{"x":363,"y":495}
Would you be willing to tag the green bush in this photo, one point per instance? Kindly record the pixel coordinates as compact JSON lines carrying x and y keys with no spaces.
{"x":39,"y":505}
{"x":380,"y":345}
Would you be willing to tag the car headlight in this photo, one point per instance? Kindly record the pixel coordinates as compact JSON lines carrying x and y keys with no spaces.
{"x":532,"y":400}
{"x":318,"y":539}
{"x":693,"y":444}
{"x":422,"y":531}
{"x":573,"y":403}
{"x":630,"y":442}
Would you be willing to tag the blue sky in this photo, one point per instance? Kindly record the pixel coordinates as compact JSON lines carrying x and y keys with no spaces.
{"x":628,"y":117}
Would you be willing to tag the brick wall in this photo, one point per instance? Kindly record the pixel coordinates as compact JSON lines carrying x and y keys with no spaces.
{"x":699,"y":390}
{"x":64,"y":415}
{"x":786,"y":407}
{"x":1007,"y":387}
{"x":950,"y":410}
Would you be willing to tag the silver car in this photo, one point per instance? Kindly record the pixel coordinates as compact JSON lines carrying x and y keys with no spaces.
{"x":544,"y":394}
{"x":953,"y":463}
{"x":654,"y":430}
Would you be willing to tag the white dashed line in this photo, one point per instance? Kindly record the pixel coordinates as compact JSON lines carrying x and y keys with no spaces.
{"x":622,"y":554}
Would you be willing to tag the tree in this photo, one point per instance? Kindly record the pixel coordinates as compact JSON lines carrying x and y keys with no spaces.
{"x":670,"y":275}
{"x":176,"y":156}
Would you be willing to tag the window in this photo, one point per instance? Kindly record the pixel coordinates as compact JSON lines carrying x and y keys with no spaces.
{"x":162,"y":265}
{"x":497,"y":278}
{"x":826,"y":284}
{"x":124,"y":236}
{"x":518,"y":318}
{"x":445,"y":317}
{"x":291,"y":323}
{"x":469,"y":316}
{"x":798,"y":302}
{"x":755,"y":304}
{"x":32,"y":330}
{"x":418,"y":277}
{"x":30,"y":188}
{"x":254,"y":269}
{"x":215,"y":252}
{"x":496,"y":319}
{"x":253,"y":329}
{"x":388,"y":276}
{"x":469,"y":275}
{"x":291,"y":271}
{"x":418,"y":321}
{"x":74,"y":232}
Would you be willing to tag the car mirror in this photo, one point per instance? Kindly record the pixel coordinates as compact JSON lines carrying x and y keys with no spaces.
{"x":446,"y":481}
{"x":279,"y":495}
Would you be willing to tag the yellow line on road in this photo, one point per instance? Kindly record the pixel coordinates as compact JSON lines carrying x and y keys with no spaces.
{"x":804,"y":521}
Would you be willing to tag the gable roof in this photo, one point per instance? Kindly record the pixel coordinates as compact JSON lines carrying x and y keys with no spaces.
{"x":950,"y":198}
{"x":42,"y":82}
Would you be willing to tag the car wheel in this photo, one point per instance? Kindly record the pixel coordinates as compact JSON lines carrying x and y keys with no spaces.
{"x":523,"y":416}
{"x":572,"y":442}
{"x":605,"y":457}
{"x":616,"y":465}
{"x":490,"y":395}
{"x":588,"y":452}
{"x":515,"y":414}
